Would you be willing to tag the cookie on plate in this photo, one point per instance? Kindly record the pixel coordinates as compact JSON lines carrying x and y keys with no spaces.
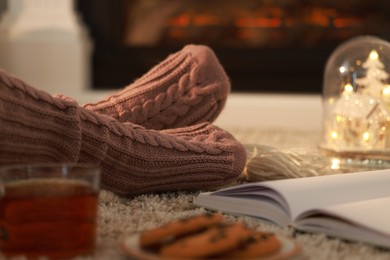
{"x":214,"y":241}
{"x":178,"y":228}
{"x":260,"y":244}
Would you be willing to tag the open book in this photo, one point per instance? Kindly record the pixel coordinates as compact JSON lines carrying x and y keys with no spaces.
{"x":353,"y":206}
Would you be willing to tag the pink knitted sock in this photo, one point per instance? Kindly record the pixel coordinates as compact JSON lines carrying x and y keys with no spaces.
{"x":187,"y":88}
{"x":35,"y":127}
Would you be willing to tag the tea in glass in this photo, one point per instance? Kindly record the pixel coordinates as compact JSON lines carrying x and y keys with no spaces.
{"x":48,"y":210}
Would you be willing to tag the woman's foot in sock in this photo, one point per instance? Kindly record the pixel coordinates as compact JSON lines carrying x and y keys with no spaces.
{"x":188,"y":87}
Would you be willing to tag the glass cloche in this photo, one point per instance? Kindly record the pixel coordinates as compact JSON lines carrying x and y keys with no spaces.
{"x":356,"y":99}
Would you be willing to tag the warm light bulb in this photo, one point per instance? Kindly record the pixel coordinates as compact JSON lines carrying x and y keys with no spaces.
{"x":339,"y":118}
{"x":374,"y":55}
{"x":335,"y":164}
{"x":366,"y":136}
{"x":343,"y":69}
{"x":333,"y":134}
{"x":348,"y":88}
{"x":386,"y":90}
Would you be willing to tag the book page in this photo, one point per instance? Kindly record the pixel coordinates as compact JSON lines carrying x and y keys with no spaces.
{"x":366,"y":221}
{"x":298,"y":195}
{"x":251,"y":205}
{"x":250,"y":200}
{"x":303,"y":194}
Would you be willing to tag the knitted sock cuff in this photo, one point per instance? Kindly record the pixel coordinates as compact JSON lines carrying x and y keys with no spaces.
{"x":136,"y":160}
{"x":34,"y":127}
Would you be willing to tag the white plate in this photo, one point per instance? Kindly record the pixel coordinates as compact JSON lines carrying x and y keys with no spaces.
{"x":289,"y":249}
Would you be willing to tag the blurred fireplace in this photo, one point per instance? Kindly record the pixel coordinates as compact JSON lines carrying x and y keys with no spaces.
{"x":264,"y":45}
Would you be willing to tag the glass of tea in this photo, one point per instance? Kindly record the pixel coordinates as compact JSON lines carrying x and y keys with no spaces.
{"x":48,"y":210}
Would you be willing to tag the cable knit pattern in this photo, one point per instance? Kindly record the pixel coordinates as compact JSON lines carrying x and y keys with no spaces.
{"x":32,"y":125}
{"x":11,"y":81}
{"x":188,"y":87}
{"x":135,"y":160}
{"x":36,"y":127}
{"x":208,"y":143}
